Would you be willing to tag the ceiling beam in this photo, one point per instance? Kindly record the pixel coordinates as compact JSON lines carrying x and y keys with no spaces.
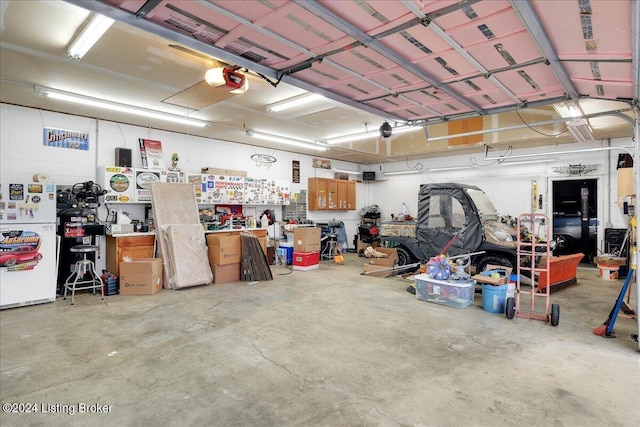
{"x":461,"y":51}
{"x":370,"y":42}
{"x":530,"y":20}
{"x":218,"y":53}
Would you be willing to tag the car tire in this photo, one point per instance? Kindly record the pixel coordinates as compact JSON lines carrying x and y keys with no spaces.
{"x":404,"y":257}
{"x":10,"y":262}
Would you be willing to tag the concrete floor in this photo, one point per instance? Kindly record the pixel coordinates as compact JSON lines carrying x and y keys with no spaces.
{"x":328,"y":347}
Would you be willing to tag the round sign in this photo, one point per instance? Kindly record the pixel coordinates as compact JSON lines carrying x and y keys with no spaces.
{"x":145,"y":179}
{"x":263,"y":158}
{"x":119,"y":183}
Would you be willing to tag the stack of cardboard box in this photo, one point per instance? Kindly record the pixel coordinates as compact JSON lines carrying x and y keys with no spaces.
{"x":306,"y":248}
{"x":225,"y":253}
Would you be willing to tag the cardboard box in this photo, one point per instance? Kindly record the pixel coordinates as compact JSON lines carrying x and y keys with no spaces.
{"x":141,"y":276}
{"x":453,"y":293}
{"x":226,"y":273}
{"x":502,"y":280}
{"x":306,"y":239}
{"x":224,"y":250}
{"x":389,"y":261}
{"x":377,"y":270}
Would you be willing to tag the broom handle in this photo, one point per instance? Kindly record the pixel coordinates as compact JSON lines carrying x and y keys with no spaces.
{"x":455,"y":236}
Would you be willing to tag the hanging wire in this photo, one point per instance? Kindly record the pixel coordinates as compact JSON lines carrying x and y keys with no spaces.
{"x":418,"y":166}
{"x":537,"y":131}
{"x":502,"y":158}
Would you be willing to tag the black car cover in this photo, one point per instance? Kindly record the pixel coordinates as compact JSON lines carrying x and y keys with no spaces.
{"x":440,"y":210}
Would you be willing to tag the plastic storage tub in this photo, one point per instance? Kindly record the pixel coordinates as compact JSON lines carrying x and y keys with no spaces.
{"x":454,"y":293}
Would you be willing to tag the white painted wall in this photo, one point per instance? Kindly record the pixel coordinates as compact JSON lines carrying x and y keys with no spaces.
{"x":23,"y":155}
{"x":509,"y":187}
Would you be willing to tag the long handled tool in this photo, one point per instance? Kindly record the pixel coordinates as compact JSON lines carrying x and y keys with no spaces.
{"x":606,"y":329}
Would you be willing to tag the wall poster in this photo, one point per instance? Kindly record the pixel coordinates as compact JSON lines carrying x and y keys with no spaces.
{"x":295,"y":171}
{"x":65,"y":138}
{"x":322,"y":164}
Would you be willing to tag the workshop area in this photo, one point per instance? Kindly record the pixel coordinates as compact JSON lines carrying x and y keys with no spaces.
{"x":319,"y":213}
{"x":331,"y":348}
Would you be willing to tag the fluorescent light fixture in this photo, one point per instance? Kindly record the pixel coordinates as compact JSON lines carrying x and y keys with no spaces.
{"x":526,"y":162}
{"x":450,"y":168}
{"x":305,"y":112}
{"x":407,"y":172}
{"x":580,"y":130}
{"x":568,"y":109}
{"x":627,"y":149}
{"x":347,"y":171}
{"x":285,"y":140}
{"x":91,"y":33}
{"x":372,"y":133}
{"x":114,"y":106}
{"x":296,"y":101}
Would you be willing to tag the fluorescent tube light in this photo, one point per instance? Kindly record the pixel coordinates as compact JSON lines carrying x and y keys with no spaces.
{"x":407,"y":172}
{"x":450,"y":168}
{"x":296,"y":101}
{"x":114,"y":106}
{"x":627,"y":149}
{"x":372,"y":133}
{"x":97,"y":26}
{"x":347,"y":171}
{"x":526,"y":162}
{"x":285,"y":140}
{"x":580,"y":130}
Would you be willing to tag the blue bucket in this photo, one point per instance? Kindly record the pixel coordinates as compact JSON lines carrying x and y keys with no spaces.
{"x":494,"y":297}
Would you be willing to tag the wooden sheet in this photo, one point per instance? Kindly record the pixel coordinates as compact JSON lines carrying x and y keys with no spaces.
{"x":187,"y":256}
{"x":172,"y":203}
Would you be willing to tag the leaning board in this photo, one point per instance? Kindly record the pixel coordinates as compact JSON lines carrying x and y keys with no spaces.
{"x":172,"y":203}
{"x":187,"y":256}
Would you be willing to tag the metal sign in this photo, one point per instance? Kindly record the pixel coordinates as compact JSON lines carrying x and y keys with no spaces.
{"x":263,"y":158}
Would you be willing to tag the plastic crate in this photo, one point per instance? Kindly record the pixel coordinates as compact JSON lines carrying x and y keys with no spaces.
{"x":453,"y":293}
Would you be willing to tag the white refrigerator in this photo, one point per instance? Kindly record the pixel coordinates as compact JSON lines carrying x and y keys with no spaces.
{"x":28,"y":268}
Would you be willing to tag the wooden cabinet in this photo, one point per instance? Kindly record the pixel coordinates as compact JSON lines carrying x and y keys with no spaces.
{"x":331,"y":194}
{"x":351,"y":195}
{"x":317,"y":194}
{"x":134,"y":247}
{"x":471,"y":124}
{"x":342,"y":193}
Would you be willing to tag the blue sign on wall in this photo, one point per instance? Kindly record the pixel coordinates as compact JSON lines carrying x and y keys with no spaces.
{"x":64,"y":138}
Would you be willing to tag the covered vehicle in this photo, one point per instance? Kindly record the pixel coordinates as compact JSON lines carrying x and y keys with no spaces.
{"x":462,"y":219}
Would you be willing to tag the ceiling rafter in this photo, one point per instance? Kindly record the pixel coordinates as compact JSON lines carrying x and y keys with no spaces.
{"x":530,"y":20}
{"x":219,"y":53}
{"x":373,"y":44}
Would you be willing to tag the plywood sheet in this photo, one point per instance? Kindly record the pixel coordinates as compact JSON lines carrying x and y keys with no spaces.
{"x":172,"y":203}
{"x":187,"y":256}
{"x":198,"y":96}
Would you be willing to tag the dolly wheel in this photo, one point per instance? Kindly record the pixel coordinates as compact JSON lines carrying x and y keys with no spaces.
{"x":555,"y":314}
{"x":510,"y":308}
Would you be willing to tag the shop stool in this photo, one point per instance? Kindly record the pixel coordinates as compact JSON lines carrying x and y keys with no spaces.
{"x":76,"y":280}
{"x":331,"y":247}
